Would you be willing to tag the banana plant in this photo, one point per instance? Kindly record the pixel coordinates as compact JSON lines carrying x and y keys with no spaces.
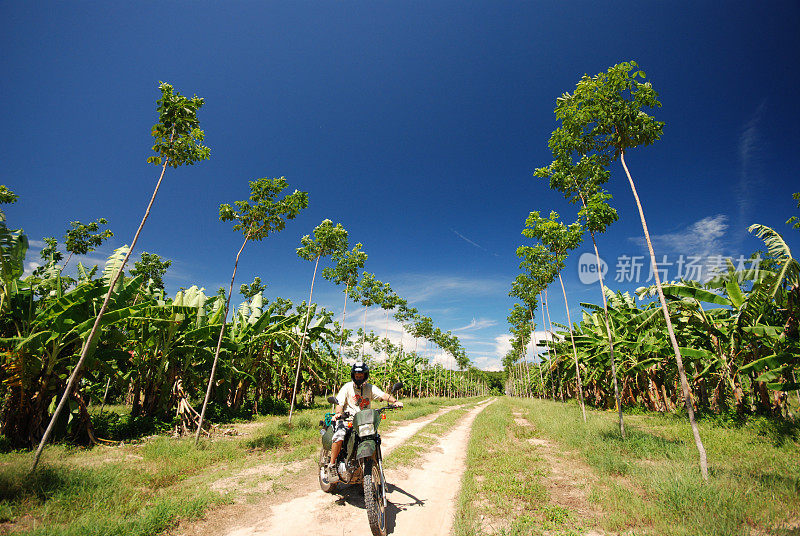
{"x":37,"y":360}
{"x":13,"y":248}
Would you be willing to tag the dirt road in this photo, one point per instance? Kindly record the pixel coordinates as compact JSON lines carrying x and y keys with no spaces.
{"x":421,"y":499}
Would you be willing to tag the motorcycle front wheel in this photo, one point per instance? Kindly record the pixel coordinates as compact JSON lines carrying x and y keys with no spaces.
{"x":324,"y":458}
{"x":373,"y":498}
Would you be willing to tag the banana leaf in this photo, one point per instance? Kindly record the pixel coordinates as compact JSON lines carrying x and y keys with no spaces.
{"x":773,"y":361}
{"x":772,"y":332}
{"x":699,"y":294}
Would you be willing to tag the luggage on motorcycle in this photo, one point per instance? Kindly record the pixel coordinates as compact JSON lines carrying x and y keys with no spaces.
{"x":327,"y":438}
{"x":349,"y":442}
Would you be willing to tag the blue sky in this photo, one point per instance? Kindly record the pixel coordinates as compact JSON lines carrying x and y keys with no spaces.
{"x":417,"y":125}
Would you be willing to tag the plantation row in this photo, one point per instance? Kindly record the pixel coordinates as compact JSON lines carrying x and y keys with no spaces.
{"x":114,"y":335}
{"x":155,"y":353}
{"x":727,"y":343}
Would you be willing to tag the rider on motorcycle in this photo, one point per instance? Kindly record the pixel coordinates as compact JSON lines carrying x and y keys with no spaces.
{"x":353,"y":397}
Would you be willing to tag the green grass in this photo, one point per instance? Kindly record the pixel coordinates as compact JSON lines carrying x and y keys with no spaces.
{"x":66,"y":497}
{"x":650,"y":482}
{"x":146,"y":487}
{"x":502,"y":490}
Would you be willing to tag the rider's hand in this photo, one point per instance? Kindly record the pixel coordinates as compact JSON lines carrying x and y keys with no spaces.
{"x":337,"y":416}
{"x":398,"y":404}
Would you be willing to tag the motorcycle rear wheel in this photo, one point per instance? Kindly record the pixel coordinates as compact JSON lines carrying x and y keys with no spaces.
{"x":373,"y":498}
{"x":324,"y":485}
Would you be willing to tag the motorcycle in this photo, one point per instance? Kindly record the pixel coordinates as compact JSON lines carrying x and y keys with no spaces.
{"x":360,"y":460}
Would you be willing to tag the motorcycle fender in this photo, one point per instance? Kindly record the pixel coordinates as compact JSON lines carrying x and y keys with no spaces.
{"x":366,"y":449}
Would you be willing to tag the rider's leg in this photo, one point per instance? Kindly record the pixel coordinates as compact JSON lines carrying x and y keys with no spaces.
{"x":336,"y":448}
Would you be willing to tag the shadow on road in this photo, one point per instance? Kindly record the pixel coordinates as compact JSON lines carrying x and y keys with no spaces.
{"x":394,"y":507}
{"x":354,"y":496}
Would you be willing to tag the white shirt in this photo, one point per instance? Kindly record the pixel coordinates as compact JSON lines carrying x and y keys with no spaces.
{"x":355,"y":399}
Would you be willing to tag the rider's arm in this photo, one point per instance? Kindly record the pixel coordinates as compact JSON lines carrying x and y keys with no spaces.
{"x":391,"y":400}
{"x":338,"y":411}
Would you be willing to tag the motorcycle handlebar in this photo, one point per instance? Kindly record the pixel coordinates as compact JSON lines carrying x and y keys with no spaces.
{"x":347,"y":414}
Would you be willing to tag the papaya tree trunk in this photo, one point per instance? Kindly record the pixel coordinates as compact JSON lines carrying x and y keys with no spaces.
{"x":535,"y":353}
{"x":552,"y":343}
{"x":219,"y":343}
{"x":341,"y":342}
{"x":364,"y":331}
{"x":608,"y":323}
{"x":684,"y":382}
{"x":89,"y":344}
{"x":574,"y":349}
{"x":303,"y":340}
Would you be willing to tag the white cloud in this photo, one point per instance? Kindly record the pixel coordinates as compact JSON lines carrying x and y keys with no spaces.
{"x":502,"y":345}
{"x":377,"y":323}
{"x":490,"y":363}
{"x":30,"y":266}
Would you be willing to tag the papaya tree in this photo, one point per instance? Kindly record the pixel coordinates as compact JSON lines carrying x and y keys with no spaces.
{"x":257,"y":218}
{"x":328,"y":239}
{"x":153,"y":268}
{"x":178,"y":142}
{"x":525,"y":288}
{"x":559,"y":239}
{"x":367,"y":292}
{"x":582,"y":181}
{"x":348,"y":263}
{"x":794,"y":221}
{"x":82,"y":238}
{"x":604,"y":118}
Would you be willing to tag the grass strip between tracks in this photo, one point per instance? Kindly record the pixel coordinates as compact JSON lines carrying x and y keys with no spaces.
{"x":502,"y":490}
{"x":412,"y":449}
{"x":144,"y":488}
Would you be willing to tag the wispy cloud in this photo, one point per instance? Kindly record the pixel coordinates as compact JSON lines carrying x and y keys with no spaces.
{"x":422,"y":287}
{"x":472,"y":242}
{"x":701,"y":239}
{"x":700,"y":246}
{"x":475,"y":325}
{"x":750,"y":146}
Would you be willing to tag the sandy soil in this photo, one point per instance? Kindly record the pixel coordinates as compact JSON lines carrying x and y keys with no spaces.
{"x":296,"y":505}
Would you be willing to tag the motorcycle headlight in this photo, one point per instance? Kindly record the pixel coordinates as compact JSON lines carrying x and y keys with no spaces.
{"x":366,"y":429}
